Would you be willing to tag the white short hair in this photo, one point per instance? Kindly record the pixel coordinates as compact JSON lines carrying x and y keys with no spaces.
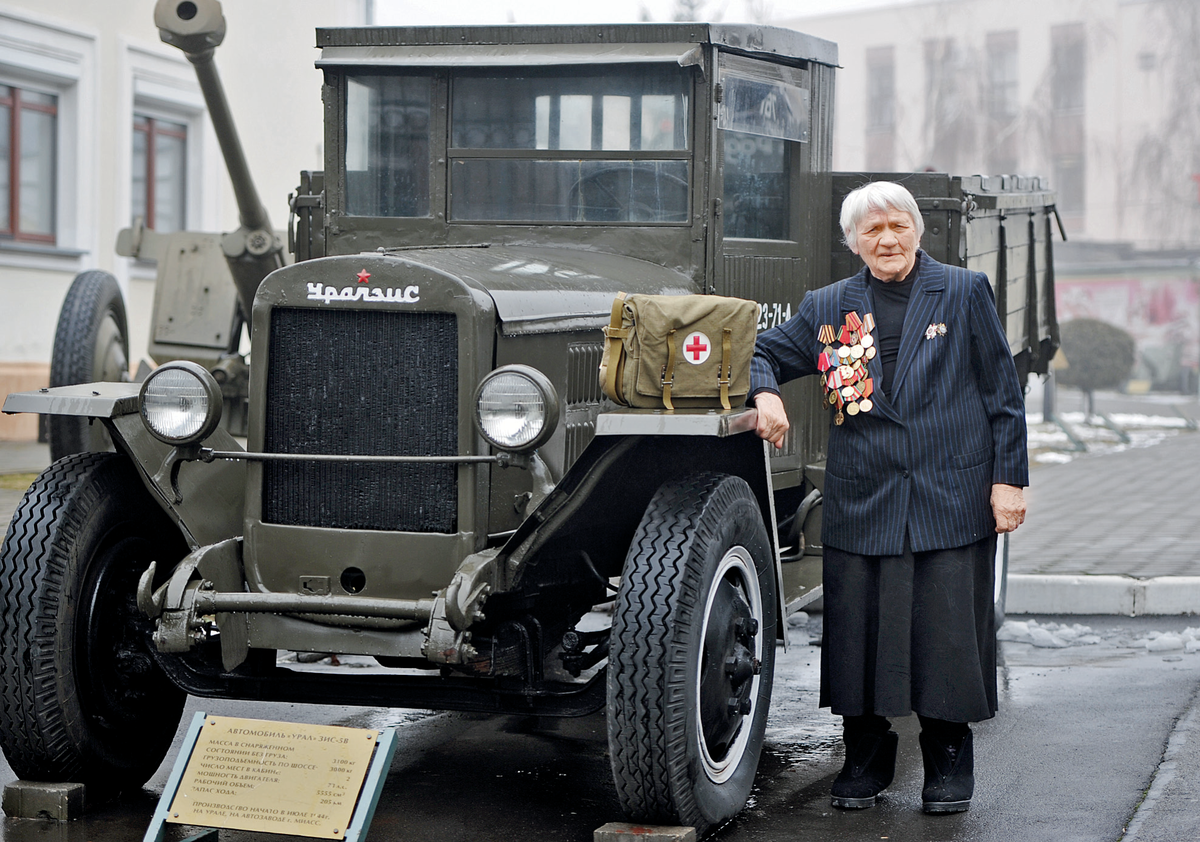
{"x":877,"y":196}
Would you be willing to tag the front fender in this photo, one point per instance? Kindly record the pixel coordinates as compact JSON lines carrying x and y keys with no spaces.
{"x":205,"y":500}
{"x":597,"y":506}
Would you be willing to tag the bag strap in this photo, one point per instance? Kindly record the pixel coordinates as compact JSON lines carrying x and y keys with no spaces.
{"x":614,"y":336}
{"x":726,"y":366}
{"x":668,"y":376}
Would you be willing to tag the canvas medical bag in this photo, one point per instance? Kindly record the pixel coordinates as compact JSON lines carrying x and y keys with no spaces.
{"x":668,"y":351}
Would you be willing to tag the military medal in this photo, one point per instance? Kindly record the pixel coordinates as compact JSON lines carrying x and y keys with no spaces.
{"x":843,"y":363}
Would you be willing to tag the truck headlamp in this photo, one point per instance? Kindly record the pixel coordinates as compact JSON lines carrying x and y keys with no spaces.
{"x":180,"y":403}
{"x":516,"y":408}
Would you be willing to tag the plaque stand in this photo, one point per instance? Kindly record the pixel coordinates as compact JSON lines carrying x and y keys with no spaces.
{"x":364,"y":810}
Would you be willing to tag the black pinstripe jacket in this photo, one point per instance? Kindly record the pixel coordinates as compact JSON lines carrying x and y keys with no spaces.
{"x":924,"y":461}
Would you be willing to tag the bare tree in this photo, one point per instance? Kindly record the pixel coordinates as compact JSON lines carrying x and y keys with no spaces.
{"x":686,"y":10}
{"x":760,"y":11}
{"x":1159,"y":177}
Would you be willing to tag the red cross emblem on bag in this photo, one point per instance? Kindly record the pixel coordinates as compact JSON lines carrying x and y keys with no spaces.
{"x":697,"y":348}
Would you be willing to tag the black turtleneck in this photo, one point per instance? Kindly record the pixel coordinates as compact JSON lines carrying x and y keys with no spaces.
{"x":891,"y":303}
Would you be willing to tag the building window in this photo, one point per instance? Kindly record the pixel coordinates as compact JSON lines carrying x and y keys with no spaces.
{"x":945,"y":109}
{"x":1068,"y":72}
{"x":159,"y":173}
{"x":28,"y":165}
{"x":881,"y":108}
{"x":1002,"y":106}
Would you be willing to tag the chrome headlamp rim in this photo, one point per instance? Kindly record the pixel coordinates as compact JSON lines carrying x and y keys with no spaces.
{"x":212,"y":393}
{"x":550,"y":402}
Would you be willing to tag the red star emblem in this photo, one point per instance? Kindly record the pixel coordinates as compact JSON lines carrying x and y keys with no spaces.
{"x":363,"y":276}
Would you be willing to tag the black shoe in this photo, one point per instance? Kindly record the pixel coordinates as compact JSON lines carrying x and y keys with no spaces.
{"x":949,"y":774}
{"x":869,"y":767}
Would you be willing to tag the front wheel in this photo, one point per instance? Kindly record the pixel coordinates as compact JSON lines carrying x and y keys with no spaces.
{"x":82,"y":697}
{"x":692,"y":654}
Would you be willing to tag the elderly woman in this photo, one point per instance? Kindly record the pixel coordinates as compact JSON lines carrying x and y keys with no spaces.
{"x":926,"y":464}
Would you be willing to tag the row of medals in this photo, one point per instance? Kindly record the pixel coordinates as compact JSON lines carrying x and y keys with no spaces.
{"x":852,"y":358}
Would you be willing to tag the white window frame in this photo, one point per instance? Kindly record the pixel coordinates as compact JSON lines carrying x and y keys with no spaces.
{"x":161,"y":83}
{"x":47,"y":57}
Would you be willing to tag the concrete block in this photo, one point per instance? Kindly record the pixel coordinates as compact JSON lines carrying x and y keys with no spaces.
{"x":624,"y":832}
{"x":1170,"y":595}
{"x":1112,"y":595}
{"x":1042,"y":594}
{"x":35,"y":800}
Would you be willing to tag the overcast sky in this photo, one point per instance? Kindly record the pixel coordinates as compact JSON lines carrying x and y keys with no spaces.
{"x":423,"y":12}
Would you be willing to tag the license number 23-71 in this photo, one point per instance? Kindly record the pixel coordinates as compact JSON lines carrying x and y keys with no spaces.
{"x":773,"y":313}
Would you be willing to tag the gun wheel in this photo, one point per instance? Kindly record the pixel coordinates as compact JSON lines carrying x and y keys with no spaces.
{"x":91,"y":345}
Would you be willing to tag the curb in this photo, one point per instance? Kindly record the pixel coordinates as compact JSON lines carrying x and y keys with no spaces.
{"x":1115,"y":595}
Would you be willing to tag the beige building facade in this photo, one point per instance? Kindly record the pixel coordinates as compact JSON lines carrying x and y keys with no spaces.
{"x":1100,"y":96}
{"x":101,"y":122}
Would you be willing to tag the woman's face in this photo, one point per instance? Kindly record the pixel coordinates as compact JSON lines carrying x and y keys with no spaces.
{"x":887,"y":243}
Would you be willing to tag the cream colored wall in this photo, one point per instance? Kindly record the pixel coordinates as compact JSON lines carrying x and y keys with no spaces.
{"x":1123,"y":102}
{"x":266,"y":64}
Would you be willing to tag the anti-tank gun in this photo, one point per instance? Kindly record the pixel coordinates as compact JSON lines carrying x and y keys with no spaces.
{"x":205,"y":283}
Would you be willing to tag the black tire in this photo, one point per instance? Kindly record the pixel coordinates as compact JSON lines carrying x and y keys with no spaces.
{"x":82,"y":698}
{"x":91,"y":345}
{"x":698,"y":570}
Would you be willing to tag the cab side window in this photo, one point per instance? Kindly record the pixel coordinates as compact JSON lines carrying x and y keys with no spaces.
{"x":763,"y":110}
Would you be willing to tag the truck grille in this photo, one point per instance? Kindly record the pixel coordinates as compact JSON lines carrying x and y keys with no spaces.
{"x":366,"y":383}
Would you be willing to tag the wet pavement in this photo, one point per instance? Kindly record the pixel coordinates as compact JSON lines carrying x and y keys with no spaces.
{"x":1094,"y":721}
{"x":1118,"y":508}
{"x":1080,"y":738}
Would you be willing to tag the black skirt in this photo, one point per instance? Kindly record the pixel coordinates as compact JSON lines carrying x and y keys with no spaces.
{"x":915,"y":632}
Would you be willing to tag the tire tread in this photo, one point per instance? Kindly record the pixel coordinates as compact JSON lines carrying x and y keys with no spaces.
{"x":91,"y":295}
{"x":648,"y":674}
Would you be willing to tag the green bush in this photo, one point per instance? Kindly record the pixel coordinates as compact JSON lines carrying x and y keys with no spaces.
{"x":1099,"y":355}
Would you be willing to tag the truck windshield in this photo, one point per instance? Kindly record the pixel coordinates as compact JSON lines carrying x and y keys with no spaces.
{"x":387,"y":145}
{"x":590,"y":145}
{"x":587,"y":145}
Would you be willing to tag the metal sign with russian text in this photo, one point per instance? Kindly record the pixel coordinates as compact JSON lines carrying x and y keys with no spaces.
{"x":277,"y":777}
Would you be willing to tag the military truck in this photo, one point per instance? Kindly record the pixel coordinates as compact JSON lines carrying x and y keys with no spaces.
{"x":431,"y":475}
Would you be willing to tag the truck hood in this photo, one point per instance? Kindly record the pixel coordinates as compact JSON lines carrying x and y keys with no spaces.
{"x":541,"y":290}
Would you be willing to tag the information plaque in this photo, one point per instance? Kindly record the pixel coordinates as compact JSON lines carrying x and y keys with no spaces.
{"x":276,"y":777}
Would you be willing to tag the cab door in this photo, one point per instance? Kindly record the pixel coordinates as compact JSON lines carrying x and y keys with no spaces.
{"x":772,"y":218}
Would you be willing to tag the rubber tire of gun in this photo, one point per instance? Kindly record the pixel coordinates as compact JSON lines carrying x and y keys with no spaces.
{"x":91,"y":345}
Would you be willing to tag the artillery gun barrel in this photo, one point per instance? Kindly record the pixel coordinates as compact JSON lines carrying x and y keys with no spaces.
{"x":251,"y":212}
{"x":197,"y":27}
